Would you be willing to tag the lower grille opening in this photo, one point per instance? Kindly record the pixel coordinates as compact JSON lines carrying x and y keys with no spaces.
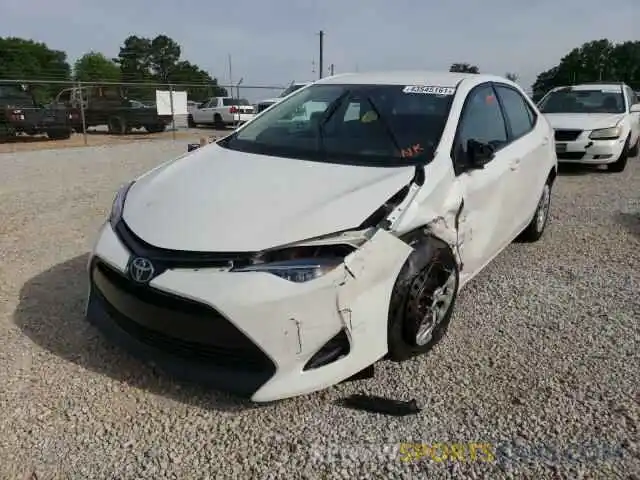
{"x":180,"y":327}
{"x":333,"y":350}
{"x":571,"y":155}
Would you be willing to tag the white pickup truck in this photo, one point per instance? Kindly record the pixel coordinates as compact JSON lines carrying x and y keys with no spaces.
{"x":221,"y":112}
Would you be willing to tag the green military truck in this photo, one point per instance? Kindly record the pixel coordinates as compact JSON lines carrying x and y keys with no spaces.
{"x":21,"y":114}
{"x":107,"y":106}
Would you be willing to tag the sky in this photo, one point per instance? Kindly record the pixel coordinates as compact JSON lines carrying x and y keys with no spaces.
{"x":275,"y":42}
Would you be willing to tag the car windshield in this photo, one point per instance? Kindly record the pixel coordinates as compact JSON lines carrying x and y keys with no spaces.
{"x":600,"y":100}
{"x":291,"y":89}
{"x":386,"y":125}
{"x":14,"y":92}
{"x":234,"y":101}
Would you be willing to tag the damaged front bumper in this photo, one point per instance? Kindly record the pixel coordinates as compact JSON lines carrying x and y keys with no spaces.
{"x":251,"y":333}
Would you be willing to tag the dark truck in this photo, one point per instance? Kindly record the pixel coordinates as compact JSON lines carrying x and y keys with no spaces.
{"x":20,"y":113}
{"x":107,"y":106}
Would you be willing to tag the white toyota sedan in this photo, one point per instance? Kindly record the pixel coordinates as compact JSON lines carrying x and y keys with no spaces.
{"x":597,"y":124}
{"x":312,"y":242}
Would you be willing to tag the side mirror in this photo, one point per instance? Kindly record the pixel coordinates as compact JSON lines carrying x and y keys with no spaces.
{"x":635,"y":108}
{"x":479,"y":153}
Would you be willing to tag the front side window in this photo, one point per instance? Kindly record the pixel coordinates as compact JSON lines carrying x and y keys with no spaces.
{"x":361,"y":124}
{"x":229,"y":102}
{"x":482,"y":119}
{"x":596,"y":100}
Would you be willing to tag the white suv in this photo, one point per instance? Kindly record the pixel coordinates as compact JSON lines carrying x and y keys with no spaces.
{"x":597,"y":124}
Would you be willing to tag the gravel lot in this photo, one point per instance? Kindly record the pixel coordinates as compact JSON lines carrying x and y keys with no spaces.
{"x":542,"y":352}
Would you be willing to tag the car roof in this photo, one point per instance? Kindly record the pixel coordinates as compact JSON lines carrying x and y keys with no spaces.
{"x":417,"y":77}
{"x":592,"y":86}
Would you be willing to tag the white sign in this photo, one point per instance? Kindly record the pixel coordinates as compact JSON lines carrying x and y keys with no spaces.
{"x":163,"y":103}
{"x":429,"y":90}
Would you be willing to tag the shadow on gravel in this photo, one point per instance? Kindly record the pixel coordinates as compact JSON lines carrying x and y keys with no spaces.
{"x":51,"y":313}
{"x":576,"y":169}
{"x":631,"y":221}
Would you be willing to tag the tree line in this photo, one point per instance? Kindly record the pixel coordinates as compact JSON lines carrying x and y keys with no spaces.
{"x":159,"y":61}
{"x":140,"y":61}
{"x":594,"y":61}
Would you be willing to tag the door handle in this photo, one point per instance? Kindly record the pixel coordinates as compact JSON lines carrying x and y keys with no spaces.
{"x":515,"y":164}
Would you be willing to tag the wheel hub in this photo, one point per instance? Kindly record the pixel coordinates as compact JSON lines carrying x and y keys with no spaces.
{"x":434,"y":308}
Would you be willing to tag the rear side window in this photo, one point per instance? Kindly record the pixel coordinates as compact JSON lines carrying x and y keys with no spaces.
{"x":517,"y":111}
{"x":227,"y":102}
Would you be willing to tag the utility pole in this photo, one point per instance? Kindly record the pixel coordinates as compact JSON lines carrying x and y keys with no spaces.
{"x":321,"y":56}
{"x":230,"y":76}
{"x":331,"y":70}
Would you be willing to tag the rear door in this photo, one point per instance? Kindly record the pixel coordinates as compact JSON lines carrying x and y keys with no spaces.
{"x":528,"y":141}
{"x":487,"y":221}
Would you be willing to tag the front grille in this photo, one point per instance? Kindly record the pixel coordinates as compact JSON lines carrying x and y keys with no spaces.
{"x":571,"y":155}
{"x":164,"y":259}
{"x":567,"y":135}
{"x":178,"y":326}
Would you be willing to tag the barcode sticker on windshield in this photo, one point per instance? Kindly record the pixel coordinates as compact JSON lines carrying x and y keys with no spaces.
{"x":429,"y":90}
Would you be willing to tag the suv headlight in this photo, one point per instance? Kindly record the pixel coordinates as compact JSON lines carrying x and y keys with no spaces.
{"x":118,"y":204}
{"x":302,"y":263}
{"x":610,"y":133}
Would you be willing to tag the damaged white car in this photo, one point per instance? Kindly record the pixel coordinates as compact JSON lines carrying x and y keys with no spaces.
{"x":312,"y":242}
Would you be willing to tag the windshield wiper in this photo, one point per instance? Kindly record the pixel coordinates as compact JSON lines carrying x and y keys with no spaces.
{"x":327,"y":114}
{"x":385,"y":125}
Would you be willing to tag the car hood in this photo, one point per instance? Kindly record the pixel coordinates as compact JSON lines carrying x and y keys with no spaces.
{"x":583,"y":121}
{"x":220,"y":200}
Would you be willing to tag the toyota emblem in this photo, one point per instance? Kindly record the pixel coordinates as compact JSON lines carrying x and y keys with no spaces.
{"x":141,"y":270}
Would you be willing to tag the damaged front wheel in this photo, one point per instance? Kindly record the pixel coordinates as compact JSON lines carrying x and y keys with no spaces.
{"x":422,"y":300}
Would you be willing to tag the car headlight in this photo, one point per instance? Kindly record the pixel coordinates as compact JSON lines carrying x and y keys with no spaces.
{"x":301,"y":263}
{"x":118,"y":204}
{"x":606,"y":133}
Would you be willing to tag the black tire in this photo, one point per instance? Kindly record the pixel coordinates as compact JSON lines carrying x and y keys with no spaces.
{"x":218,"y":122}
{"x":59,"y":134}
{"x":621,"y":163}
{"x":117,"y":125}
{"x":429,"y":267}
{"x":190,"y":122}
{"x":633,"y":151}
{"x":157,"y":128}
{"x":540,"y":219}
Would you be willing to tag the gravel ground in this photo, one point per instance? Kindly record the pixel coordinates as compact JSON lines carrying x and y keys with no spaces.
{"x":541,"y":359}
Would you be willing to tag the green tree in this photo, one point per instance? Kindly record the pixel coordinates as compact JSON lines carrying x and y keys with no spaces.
{"x":95,"y":67}
{"x":598,"y":60}
{"x":464,"y":68}
{"x":157,"y":61}
{"x":511,"y":76}
{"x":24,"y":59}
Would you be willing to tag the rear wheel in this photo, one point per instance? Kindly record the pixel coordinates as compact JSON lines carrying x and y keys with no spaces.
{"x":621,"y":163}
{"x":218,"y":122}
{"x":535,"y":229}
{"x":59,"y":133}
{"x":423,"y":299}
{"x":117,"y":125}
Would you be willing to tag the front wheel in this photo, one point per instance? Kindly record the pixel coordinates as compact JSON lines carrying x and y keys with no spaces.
{"x":423,"y":299}
{"x":621,"y":163}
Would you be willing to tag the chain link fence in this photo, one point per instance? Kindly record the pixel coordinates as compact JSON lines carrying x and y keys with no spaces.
{"x":82,"y":111}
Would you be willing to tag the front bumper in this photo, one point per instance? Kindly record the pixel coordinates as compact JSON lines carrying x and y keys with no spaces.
{"x":587,"y":151}
{"x":249,"y":333}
